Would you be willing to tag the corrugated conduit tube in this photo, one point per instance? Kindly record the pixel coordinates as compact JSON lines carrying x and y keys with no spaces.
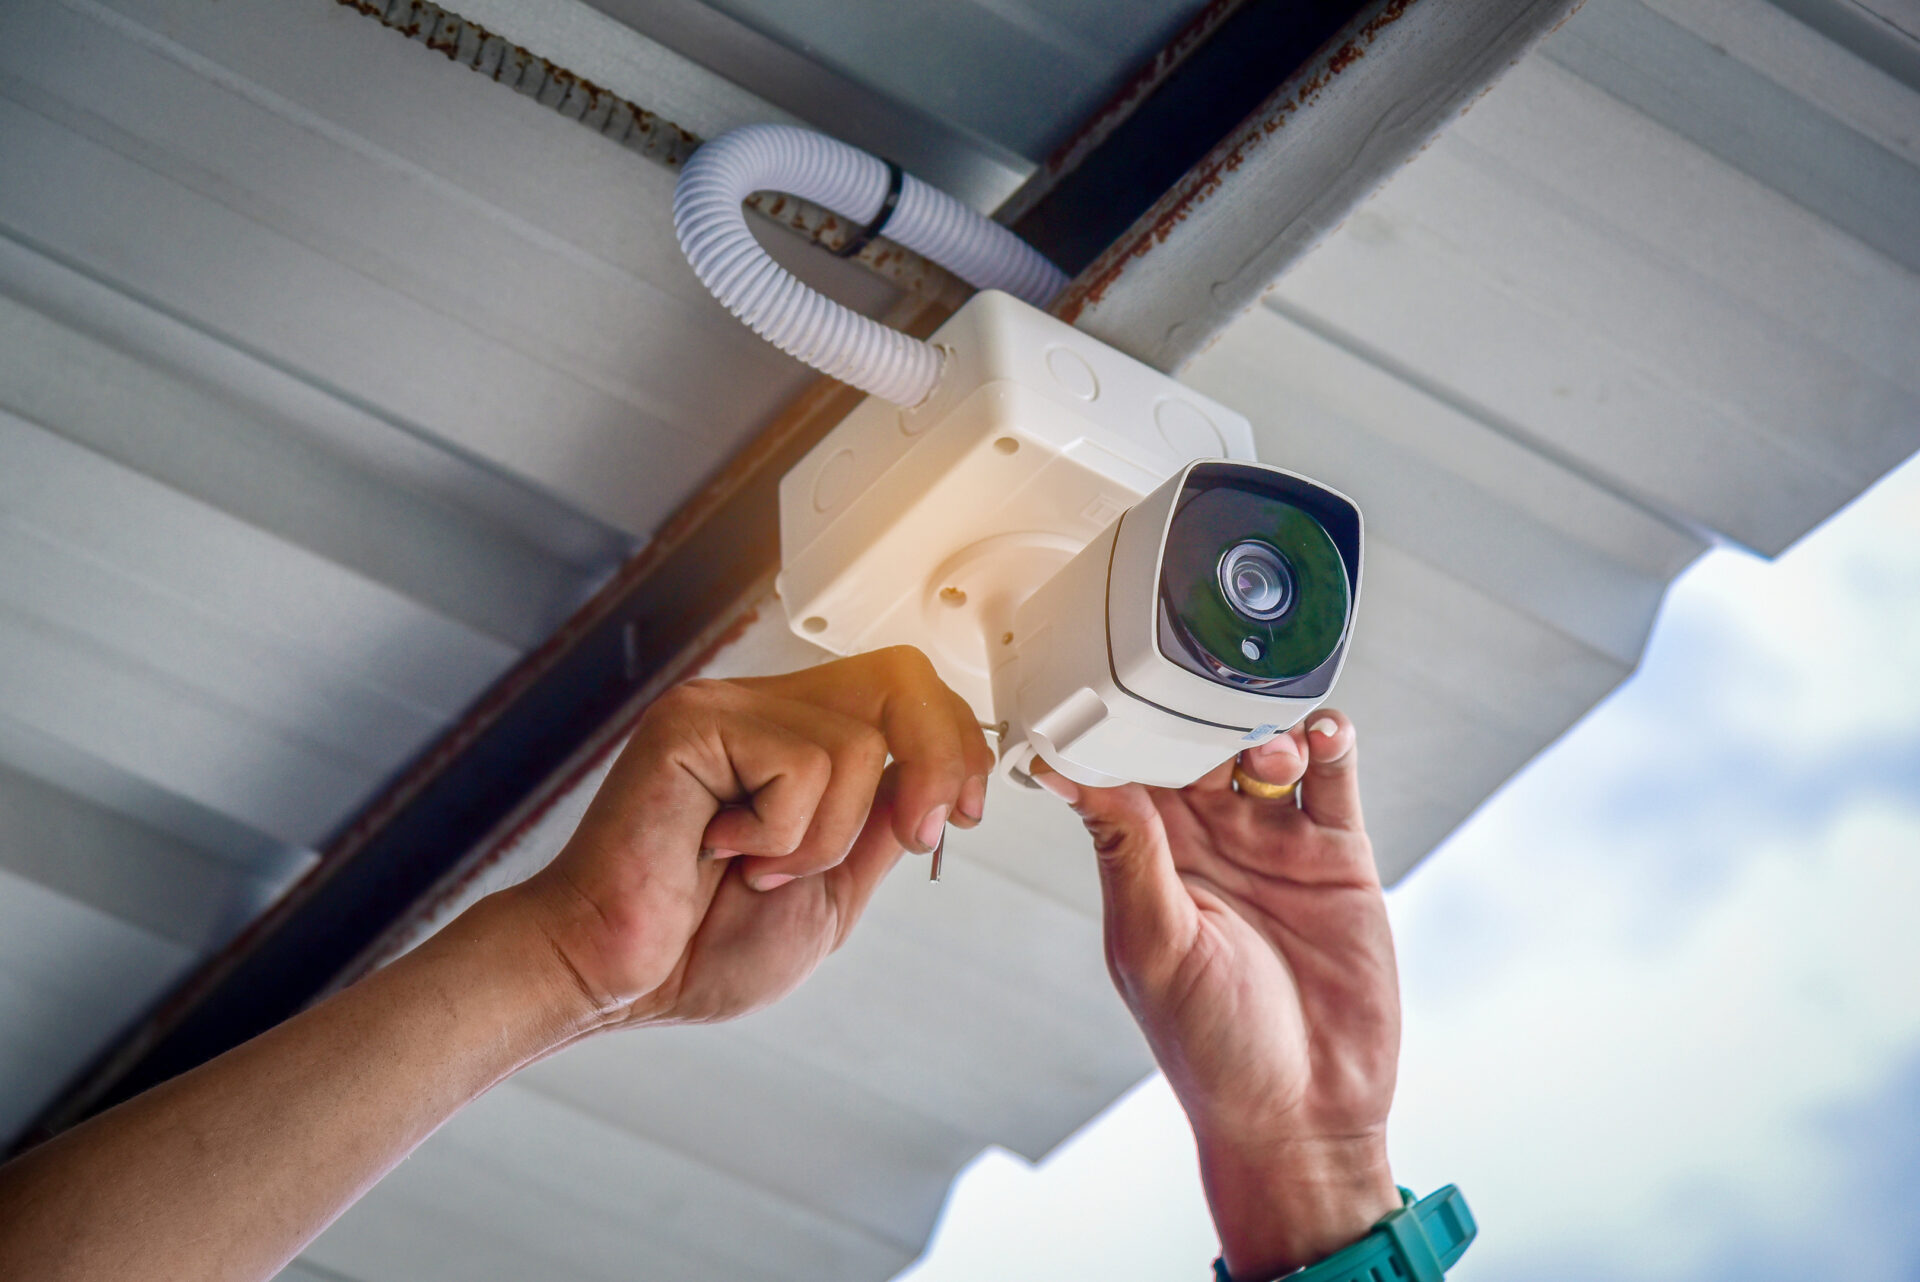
{"x":801,"y":322}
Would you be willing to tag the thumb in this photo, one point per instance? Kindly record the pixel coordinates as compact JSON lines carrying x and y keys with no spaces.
{"x":1150,"y":917}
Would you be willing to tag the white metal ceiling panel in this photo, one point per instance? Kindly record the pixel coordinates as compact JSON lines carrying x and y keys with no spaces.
{"x":511,"y":288}
{"x":1578,"y":274}
{"x":70,"y":976}
{"x":1829,"y":52}
{"x":803,"y":1133}
{"x":192,"y":413}
{"x":163,"y":635}
{"x":522,"y":1186}
{"x":149,"y":879}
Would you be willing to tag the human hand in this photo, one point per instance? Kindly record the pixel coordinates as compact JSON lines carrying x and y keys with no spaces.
{"x":1249,"y":938}
{"x":743,"y":829}
{"x":229,"y":1169}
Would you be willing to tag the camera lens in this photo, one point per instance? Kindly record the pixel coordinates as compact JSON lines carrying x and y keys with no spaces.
{"x":1252,"y":587}
{"x":1256,"y":580}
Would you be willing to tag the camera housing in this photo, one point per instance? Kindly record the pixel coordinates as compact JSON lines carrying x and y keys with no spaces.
{"x":1146,"y":659}
{"x":1019,"y":525}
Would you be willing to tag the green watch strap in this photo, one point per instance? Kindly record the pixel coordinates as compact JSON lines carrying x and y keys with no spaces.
{"x":1417,"y":1243}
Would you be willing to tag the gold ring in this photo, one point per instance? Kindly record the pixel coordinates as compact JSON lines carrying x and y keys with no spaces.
{"x":1260,"y":787}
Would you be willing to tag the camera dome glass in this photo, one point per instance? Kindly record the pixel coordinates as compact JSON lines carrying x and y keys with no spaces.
{"x":1254,"y":587}
{"x":1256,"y":580}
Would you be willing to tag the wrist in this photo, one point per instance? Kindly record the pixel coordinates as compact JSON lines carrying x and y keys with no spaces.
{"x":1282,"y":1204}
{"x":500,"y":952}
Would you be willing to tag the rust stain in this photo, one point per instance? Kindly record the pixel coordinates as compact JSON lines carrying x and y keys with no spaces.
{"x":1205,"y":179}
{"x":1138,"y":88}
{"x":633,"y":126}
{"x":1567,"y":17}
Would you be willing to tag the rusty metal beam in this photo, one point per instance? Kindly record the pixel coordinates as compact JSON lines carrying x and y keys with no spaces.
{"x":1210,"y":77}
{"x":1120,"y":107}
{"x":1322,"y":142}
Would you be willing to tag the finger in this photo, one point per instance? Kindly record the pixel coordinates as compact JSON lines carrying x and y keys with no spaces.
{"x":851,"y":885}
{"x":1331,"y":792}
{"x":930,"y":747}
{"x":858,"y":755}
{"x":1282,"y":760}
{"x":1150,"y":917}
{"x":971,"y":805}
{"x":750,"y":950}
{"x":778,"y":780}
{"x":897,"y":690}
{"x":694,"y":753}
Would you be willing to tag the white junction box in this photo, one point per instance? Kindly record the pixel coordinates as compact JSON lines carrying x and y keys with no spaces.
{"x":929,"y":526}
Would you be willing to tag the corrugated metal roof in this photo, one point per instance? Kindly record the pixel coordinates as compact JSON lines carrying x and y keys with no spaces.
{"x":333,"y":375}
{"x":332,"y":378}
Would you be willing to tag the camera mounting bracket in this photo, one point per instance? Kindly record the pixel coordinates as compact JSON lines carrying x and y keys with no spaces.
{"x":929,"y":526}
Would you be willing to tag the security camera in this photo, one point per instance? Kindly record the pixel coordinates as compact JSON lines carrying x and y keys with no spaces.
{"x":1206,"y":619}
{"x":1084,"y":547}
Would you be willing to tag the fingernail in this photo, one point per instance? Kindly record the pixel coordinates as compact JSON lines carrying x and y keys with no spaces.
{"x":973,"y":797}
{"x":933,"y":827}
{"x":1326,"y":726}
{"x":771,"y":881}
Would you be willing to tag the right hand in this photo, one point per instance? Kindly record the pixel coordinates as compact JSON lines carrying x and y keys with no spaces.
{"x":1249,"y":938}
{"x":744,"y":828}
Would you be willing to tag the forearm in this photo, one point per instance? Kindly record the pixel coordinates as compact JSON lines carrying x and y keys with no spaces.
{"x":229,"y":1170}
{"x":1284,"y":1204}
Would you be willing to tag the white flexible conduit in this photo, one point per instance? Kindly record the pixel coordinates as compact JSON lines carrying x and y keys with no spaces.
{"x":837,"y":340}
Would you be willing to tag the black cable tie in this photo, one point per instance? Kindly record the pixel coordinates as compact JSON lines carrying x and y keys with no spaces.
{"x":864,"y":237}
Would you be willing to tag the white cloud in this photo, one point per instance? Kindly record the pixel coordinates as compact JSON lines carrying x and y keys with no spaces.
{"x":1825,"y":637}
{"x":1644,"y":980}
{"x":1638,"y":1108}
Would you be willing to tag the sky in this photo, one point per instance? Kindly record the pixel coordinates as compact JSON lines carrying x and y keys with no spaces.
{"x":1662,"y":991}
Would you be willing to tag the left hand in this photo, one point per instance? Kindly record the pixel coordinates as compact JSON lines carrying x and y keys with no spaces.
{"x":743,"y":829}
{"x":230,"y":1169}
